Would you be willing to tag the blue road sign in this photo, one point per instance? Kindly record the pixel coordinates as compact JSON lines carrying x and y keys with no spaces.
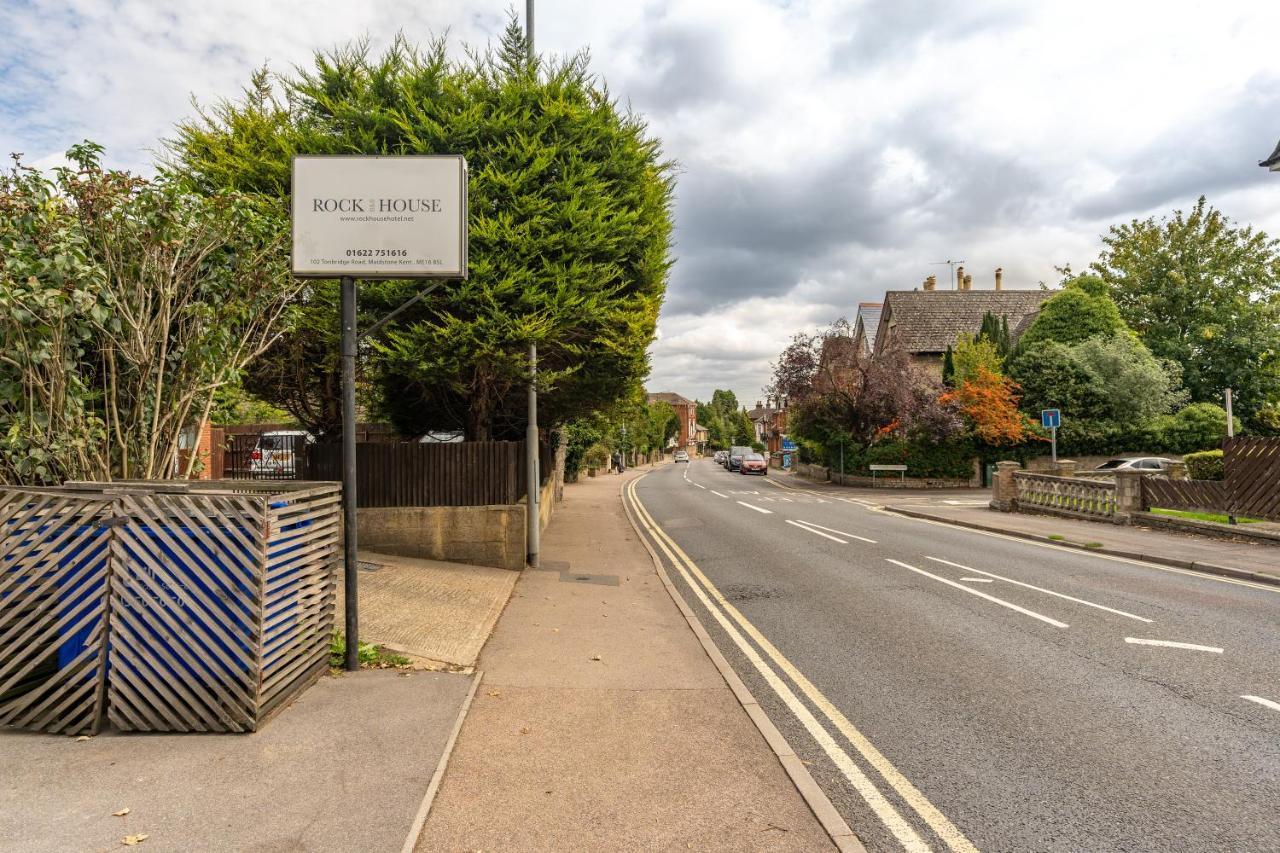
{"x":1050,"y":418}
{"x":788,"y":444}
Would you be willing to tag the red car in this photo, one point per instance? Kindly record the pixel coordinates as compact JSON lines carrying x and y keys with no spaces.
{"x":754,"y":463}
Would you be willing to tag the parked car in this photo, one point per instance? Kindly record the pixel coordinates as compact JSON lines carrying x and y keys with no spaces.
{"x":682,"y":456}
{"x":735,"y":457}
{"x":719,"y":456}
{"x":276,"y":453}
{"x":754,"y":463}
{"x":1141,"y":463}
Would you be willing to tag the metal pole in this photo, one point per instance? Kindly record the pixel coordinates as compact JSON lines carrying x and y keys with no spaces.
{"x":1054,"y":432}
{"x":350,"y":565}
{"x":528,"y":26}
{"x":531,"y":461}
{"x":1231,"y":430}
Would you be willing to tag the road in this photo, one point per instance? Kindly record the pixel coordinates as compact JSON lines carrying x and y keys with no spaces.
{"x":955,"y":690}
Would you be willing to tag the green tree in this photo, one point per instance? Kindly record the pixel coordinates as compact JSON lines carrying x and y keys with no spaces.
{"x":1082,"y":310}
{"x":1204,"y":293}
{"x":972,"y":355}
{"x":569,"y":228}
{"x":949,"y":367}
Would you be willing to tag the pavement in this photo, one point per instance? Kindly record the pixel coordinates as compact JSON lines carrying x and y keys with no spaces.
{"x":954,"y":689}
{"x":438,"y":614}
{"x":602,"y":723}
{"x":343,"y":768}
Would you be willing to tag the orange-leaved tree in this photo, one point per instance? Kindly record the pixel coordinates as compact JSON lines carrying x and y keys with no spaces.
{"x":989,"y":402}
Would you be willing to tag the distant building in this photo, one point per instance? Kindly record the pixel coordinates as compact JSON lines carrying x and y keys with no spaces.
{"x":925,"y":322}
{"x":686,"y":413}
{"x":769,"y":418}
{"x":866,"y":326}
{"x":1272,"y":162}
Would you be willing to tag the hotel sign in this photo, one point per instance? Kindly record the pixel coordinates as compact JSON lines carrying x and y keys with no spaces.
{"x":378,"y":217}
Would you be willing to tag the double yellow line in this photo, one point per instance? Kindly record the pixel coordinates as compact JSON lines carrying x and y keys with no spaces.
{"x":736,"y":626}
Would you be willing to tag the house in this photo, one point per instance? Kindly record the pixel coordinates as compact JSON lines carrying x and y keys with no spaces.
{"x":925,"y":322}
{"x":686,"y":414}
{"x":1272,"y":162}
{"x":866,"y":325}
{"x":769,"y":418}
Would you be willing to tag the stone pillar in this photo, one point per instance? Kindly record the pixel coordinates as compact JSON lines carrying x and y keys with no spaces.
{"x":1004,"y":492}
{"x":1177,"y":471}
{"x":968,"y":282}
{"x":1128,"y":494}
{"x":1066,"y":468}
{"x":959,"y":278}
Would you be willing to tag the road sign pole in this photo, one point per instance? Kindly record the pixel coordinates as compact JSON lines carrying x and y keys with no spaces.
{"x":1054,"y":433}
{"x":350,"y":566}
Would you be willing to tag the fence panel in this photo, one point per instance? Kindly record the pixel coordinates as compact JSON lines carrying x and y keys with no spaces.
{"x":1195,"y":495}
{"x":1066,"y":495}
{"x":54,"y":584}
{"x":473,"y":473}
{"x":1253,"y":476}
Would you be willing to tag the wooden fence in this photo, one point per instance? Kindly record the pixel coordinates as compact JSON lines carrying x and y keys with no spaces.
{"x":1253,"y":476}
{"x":1066,"y":495}
{"x":472,"y":473}
{"x":1194,"y":495}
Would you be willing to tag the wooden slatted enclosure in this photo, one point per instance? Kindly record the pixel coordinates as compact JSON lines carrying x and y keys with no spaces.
{"x":54,"y":581}
{"x":1194,"y":495}
{"x":222,"y":600}
{"x":1253,"y":476}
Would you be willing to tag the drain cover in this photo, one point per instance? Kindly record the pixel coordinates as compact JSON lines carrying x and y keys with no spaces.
{"x":602,"y":580}
{"x":366,"y":566}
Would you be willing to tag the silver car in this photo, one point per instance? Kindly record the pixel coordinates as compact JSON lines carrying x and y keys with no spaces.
{"x":1140,"y":463}
{"x":682,"y":456}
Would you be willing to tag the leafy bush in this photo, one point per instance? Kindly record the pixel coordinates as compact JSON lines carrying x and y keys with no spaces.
{"x":1205,"y":465}
{"x":1083,"y":310}
{"x":1197,"y":426}
{"x":597,"y":456}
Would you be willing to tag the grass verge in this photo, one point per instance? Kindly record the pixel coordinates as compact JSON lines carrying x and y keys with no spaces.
{"x":1200,"y":516}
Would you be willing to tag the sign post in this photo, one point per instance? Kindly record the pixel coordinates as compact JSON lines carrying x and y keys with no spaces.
{"x":374,"y":217}
{"x":1051,"y":419}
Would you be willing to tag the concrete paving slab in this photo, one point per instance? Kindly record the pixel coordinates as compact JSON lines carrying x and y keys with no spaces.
{"x":344,"y":768}
{"x":429,"y":609}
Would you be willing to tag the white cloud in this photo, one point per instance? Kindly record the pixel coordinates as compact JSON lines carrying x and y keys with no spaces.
{"x":830,"y":148}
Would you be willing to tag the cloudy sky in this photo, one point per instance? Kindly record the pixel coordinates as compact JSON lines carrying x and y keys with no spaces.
{"x":829,"y":149}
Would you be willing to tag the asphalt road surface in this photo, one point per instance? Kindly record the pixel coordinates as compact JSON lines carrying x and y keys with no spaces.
{"x":955,"y":690}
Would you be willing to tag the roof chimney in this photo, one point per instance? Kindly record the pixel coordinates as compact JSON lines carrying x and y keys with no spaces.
{"x":931,"y":282}
{"x":759,"y":404}
{"x":959,"y":278}
{"x":968,"y":283}
{"x":999,"y":278}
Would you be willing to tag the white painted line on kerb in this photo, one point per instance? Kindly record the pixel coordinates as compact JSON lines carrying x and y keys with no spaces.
{"x":879,"y":804}
{"x":839,"y":532}
{"x":1172,"y":644}
{"x":1054,"y":622}
{"x":756,"y":508}
{"x":817,"y":532}
{"x":1266,"y":703}
{"x":718,"y":494}
{"x":1041,"y":589}
{"x":699,"y":485}
{"x":978,"y":580}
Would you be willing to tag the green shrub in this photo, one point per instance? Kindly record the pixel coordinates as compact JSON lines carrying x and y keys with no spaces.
{"x":597,"y":456}
{"x":1205,"y":465}
{"x":1197,"y":426}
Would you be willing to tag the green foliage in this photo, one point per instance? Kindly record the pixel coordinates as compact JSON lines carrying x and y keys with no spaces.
{"x":1081,"y":311}
{"x":125,"y":304}
{"x":758,"y":447}
{"x":1205,"y":465}
{"x":950,"y":459}
{"x":1205,"y":294}
{"x":1198,"y":426}
{"x":949,"y":367}
{"x":570,"y":228}
{"x":371,"y":656}
{"x":596,"y":456}
{"x":973,"y":355}
{"x":233,"y":405}
{"x":996,"y":330}
{"x":727,"y":425}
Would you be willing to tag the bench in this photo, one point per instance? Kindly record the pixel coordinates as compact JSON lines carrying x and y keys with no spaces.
{"x":901,"y":469}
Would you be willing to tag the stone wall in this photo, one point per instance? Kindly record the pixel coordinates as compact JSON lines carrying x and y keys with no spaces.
{"x":477,"y":535}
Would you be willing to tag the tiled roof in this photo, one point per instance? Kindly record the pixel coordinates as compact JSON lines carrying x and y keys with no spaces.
{"x":869,"y":322}
{"x":1272,"y":162}
{"x":930,"y":320}
{"x":669,"y":397}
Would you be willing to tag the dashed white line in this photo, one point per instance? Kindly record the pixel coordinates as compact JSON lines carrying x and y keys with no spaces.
{"x":1173,"y":644}
{"x":1009,"y":604}
{"x":756,"y":508}
{"x":1041,"y":589}
{"x":718,"y":494}
{"x":699,"y":485}
{"x":817,"y":532}
{"x":978,"y":580}
{"x":1266,"y":703}
{"x":840,"y":532}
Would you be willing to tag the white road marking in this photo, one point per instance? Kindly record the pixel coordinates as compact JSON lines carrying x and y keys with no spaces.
{"x":756,"y":508}
{"x":699,"y":485}
{"x":1266,"y":703}
{"x":1042,"y":589}
{"x":1000,"y":601}
{"x":817,"y":532}
{"x":978,"y":580}
{"x":841,"y":532}
{"x":1077,"y":552}
{"x":905,"y":834}
{"x":1172,"y":644}
{"x":720,"y":494}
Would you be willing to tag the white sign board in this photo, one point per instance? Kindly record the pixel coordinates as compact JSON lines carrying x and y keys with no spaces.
{"x":377,"y":217}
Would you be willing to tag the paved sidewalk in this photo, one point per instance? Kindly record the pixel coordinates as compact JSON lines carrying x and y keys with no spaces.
{"x":1248,"y":560}
{"x":601,"y":723}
